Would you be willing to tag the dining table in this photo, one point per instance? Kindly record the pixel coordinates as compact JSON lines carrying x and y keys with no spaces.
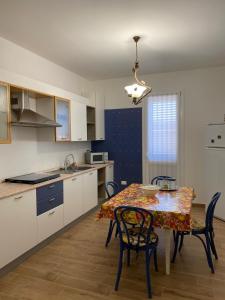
{"x":171,"y":210}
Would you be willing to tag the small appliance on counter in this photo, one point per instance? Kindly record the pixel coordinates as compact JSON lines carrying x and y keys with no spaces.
{"x":96,"y":157}
{"x":33,"y":178}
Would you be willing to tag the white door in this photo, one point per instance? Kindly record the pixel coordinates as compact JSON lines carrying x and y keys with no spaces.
{"x":78,"y":121}
{"x":100,"y":115}
{"x":73,"y":199}
{"x":18,"y":226}
{"x":90,"y":191}
{"x":50,"y":222}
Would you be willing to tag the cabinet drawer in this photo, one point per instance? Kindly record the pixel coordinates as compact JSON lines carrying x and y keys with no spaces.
{"x":50,"y":222}
{"x":49,"y":196}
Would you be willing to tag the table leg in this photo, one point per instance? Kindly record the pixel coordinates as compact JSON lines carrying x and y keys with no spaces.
{"x":167,"y":249}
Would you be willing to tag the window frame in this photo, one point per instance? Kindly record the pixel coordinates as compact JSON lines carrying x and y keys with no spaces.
{"x":178,"y":130}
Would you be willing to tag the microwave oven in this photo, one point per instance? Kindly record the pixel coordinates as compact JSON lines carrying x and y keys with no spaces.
{"x":96,"y":157}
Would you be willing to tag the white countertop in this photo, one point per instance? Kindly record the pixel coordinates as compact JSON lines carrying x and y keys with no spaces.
{"x":8,"y":189}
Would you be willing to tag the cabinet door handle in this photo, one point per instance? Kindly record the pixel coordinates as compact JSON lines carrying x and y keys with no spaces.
{"x":51,"y":213}
{"x":74,"y":179}
{"x":51,"y":200}
{"x":18,"y":197}
{"x":101,"y":138}
{"x":91,"y":173}
{"x":110,"y":167}
{"x":52,"y":186}
{"x":64,"y":138}
{"x":79,"y":139}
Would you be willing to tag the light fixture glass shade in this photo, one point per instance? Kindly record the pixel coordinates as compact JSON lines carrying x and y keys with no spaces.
{"x":135,"y":90}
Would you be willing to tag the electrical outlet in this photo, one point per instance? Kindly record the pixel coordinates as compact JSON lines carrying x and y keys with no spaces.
{"x":123,"y":182}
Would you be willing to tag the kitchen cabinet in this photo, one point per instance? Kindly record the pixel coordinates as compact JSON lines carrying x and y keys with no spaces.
{"x":62,"y":116}
{"x":49,"y":222}
{"x":90,"y":199}
{"x":100,"y":115}
{"x":5,"y":131}
{"x":78,"y":121}
{"x":91,"y":129}
{"x":73,"y":199}
{"x":49,"y":196}
{"x":18,"y":226}
{"x":109,"y":173}
{"x":109,"y":176}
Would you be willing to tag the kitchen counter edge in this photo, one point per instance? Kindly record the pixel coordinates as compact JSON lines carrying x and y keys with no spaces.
{"x":8,"y":189}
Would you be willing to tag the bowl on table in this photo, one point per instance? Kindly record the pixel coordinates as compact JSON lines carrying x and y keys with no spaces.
{"x":150,"y":190}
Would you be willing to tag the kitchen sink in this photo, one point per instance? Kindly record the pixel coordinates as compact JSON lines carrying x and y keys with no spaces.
{"x":70,"y":171}
{"x":82,"y":168}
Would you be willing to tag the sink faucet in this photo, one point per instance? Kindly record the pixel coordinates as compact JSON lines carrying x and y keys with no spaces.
{"x":67,"y":162}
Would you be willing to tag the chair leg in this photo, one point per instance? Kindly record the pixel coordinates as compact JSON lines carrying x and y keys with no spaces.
{"x":209,"y":257}
{"x":120,"y":265}
{"x":213,"y":245}
{"x":181,"y":242}
{"x":148,"y":279}
{"x":155,"y":260}
{"x":117,"y":232}
{"x":174,"y":235}
{"x":175,"y":247}
{"x":128,"y":257}
{"x":111,"y":226}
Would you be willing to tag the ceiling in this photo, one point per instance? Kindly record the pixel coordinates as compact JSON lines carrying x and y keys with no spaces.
{"x":93,"y":38}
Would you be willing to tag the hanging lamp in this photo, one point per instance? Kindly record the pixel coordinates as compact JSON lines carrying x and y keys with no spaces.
{"x":139,"y":89}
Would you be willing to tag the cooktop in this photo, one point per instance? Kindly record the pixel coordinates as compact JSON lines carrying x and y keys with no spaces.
{"x":33,"y":178}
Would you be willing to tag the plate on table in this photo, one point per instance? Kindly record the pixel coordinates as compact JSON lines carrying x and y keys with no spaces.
{"x":169,"y":190}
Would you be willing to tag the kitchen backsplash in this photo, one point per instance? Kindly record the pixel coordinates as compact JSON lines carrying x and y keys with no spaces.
{"x":28,"y":153}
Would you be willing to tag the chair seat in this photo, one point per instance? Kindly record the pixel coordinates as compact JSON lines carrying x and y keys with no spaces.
{"x":134,"y":234}
{"x":197,"y":224}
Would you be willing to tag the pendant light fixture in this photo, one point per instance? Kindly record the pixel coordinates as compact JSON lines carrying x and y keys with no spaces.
{"x":139,"y":89}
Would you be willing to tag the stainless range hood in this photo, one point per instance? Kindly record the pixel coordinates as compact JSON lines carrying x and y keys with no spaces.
{"x":23,"y":115}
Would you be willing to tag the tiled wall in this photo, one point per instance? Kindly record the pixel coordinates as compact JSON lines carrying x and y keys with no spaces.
{"x":123,"y":141}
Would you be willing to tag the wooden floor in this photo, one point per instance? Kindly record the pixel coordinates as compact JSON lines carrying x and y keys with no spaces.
{"x":77,"y":266}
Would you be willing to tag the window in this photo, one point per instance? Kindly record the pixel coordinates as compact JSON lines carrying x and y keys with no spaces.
{"x":163,"y":128}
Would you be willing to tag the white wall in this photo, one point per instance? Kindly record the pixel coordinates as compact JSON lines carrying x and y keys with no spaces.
{"x":203,"y":92}
{"x":24,"y":68}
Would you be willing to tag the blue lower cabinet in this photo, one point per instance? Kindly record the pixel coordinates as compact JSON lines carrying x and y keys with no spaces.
{"x":49,"y":197}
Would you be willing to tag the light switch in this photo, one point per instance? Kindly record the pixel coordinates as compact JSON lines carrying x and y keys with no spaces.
{"x":123,"y":182}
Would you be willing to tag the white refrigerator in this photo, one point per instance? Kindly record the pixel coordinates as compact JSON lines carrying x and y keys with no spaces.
{"x":215,"y":166}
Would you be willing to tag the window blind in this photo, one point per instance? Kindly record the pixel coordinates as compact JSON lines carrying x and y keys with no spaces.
{"x":163,"y":119}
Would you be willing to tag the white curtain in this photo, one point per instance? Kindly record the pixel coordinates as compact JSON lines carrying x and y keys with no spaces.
{"x":163,"y":137}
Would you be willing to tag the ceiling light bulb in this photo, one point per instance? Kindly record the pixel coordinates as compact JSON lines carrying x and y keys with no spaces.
{"x":135,"y":90}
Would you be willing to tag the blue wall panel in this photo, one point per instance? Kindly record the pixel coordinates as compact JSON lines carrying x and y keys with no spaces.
{"x":123,"y":141}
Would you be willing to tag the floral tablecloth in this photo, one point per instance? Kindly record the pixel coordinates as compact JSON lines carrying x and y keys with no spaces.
{"x":170,"y":209}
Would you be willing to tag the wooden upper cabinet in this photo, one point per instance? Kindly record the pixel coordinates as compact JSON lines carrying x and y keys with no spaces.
{"x":5,"y":128}
{"x":62,"y":116}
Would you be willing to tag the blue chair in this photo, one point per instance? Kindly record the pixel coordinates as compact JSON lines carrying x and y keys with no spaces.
{"x":199,"y":229}
{"x":111,"y":188}
{"x":156,"y":179}
{"x":136,"y":233}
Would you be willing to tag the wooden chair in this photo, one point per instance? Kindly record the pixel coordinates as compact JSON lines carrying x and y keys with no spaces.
{"x":136,"y":233}
{"x":156,"y":179}
{"x":199,"y":230}
{"x":111,"y":188}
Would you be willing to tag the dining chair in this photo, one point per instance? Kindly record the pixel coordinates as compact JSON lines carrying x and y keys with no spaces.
{"x":111,"y":188}
{"x":136,"y":233}
{"x":156,"y":179}
{"x":199,"y":230}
